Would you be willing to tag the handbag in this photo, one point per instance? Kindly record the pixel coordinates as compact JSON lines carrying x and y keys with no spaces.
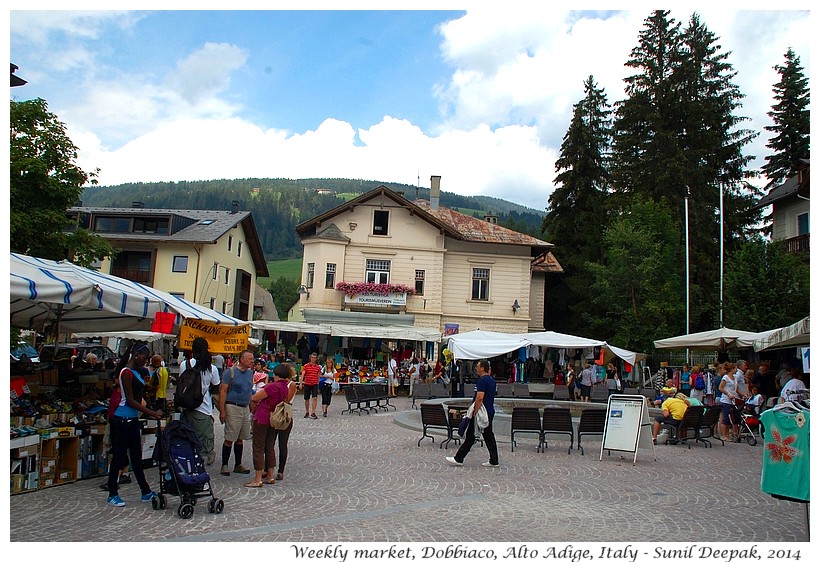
{"x":463,"y":425}
{"x":282,"y":416}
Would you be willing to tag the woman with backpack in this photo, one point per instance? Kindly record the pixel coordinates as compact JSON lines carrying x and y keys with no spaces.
{"x":698,"y":383}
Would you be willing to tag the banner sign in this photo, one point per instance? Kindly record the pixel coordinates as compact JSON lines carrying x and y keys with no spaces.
{"x":377,"y":299}
{"x":221,"y":338}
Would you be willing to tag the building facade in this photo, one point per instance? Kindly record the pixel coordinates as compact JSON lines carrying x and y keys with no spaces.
{"x":790,"y":210}
{"x":212,"y":258}
{"x":421,"y":264}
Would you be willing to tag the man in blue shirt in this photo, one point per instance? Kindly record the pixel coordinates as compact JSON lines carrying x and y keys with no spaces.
{"x":484,"y":396}
{"x":235,"y":391}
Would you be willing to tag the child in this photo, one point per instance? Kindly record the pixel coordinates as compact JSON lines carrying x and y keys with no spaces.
{"x":754,"y":403}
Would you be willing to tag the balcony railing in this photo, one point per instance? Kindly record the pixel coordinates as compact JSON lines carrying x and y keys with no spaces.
{"x":796,"y":245}
{"x":139,"y":275}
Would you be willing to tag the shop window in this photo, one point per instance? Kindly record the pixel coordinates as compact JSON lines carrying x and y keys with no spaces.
{"x":311,"y":273}
{"x":802,"y":224}
{"x":180,"y":264}
{"x":378,"y":271}
{"x":481,"y":284}
{"x":419,"y":282}
{"x":330,"y":276}
{"x":380,"y":222}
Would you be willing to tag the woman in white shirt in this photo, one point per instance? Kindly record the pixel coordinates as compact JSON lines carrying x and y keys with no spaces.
{"x":729,"y":393}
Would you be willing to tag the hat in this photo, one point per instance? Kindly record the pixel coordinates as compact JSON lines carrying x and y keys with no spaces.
{"x":259,"y":377}
{"x":142,"y":349}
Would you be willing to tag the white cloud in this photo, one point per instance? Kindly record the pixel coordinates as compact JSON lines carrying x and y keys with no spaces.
{"x":504,"y":109}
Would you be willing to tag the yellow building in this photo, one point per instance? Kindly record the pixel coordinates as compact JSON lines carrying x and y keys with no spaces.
{"x":211,"y":258}
{"x":465,"y":273}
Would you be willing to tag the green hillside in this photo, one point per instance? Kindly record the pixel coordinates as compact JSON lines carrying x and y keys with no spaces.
{"x":289,"y":269}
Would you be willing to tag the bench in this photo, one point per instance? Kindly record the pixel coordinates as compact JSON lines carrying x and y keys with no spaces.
{"x":687,"y":428}
{"x":504,"y":390}
{"x":421,"y":391}
{"x":706,"y":428}
{"x":521,"y":390}
{"x":354,"y":401}
{"x":434,"y":416}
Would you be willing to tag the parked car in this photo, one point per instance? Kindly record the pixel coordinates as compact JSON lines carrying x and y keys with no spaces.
{"x":25,"y":349}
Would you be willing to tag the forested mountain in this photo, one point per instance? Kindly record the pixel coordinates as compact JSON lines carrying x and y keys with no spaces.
{"x":279,"y":204}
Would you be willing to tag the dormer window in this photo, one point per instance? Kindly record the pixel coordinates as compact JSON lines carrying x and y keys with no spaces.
{"x":380,"y":222}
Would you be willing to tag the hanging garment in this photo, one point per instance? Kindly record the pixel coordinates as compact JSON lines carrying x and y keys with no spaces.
{"x":786,"y":452}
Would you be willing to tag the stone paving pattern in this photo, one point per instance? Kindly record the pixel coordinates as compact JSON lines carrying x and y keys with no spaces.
{"x":362,"y":478}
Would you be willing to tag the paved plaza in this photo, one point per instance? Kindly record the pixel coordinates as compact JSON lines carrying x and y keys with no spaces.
{"x":362,"y":478}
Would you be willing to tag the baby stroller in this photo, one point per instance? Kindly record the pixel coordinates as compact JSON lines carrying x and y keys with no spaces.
{"x":746,"y":423}
{"x":182,"y":470}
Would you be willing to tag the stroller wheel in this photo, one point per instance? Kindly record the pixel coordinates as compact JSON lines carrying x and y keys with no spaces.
{"x":155,"y":502}
{"x":219,"y":506}
{"x":751,"y":440}
{"x":212,"y":506}
{"x":163,"y":503}
{"x":185,"y":511}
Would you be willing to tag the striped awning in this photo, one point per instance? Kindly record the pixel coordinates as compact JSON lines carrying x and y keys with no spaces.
{"x":44,"y":292}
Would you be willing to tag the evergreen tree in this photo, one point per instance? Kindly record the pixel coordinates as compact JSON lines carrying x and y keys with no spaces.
{"x":792,"y":125}
{"x":576,"y":211}
{"x":677,"y":138}
{"x":765,"y":286}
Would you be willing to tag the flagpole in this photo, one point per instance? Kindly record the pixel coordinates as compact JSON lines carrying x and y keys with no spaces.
{"x":686,"y":221}
{"x":721,"y":254}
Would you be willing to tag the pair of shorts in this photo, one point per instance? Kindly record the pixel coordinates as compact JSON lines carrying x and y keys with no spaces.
{"x":311,"y":391}
{"x":586,"y":390}
{"x":237,"y":423}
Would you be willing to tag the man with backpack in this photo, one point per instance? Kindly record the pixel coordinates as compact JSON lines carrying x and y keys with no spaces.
{"x":195,"y":399}
{"x":235,"y":393}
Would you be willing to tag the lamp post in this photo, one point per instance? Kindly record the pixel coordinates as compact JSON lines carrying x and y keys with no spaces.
{"x":686,"y":223}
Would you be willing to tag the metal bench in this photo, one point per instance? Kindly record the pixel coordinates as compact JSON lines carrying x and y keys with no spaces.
{"x":525,"y":420}
{"x":434,"y":416}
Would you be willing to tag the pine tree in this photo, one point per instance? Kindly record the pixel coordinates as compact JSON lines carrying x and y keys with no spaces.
{"x":676,"y":137}
{"x":576,"y":211}
{"x":792,"y":125}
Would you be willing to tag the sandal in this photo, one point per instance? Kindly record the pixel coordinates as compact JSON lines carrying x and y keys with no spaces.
{"x":253,"y":484}
{"x":269,"y":481}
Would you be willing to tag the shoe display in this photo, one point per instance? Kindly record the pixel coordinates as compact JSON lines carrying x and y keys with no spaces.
{"x":148,"y":497}
{"x":225,"y":471}
{"x":124,"y":479}
{"x":115,"y":501}
{"x":239,"y":469}
{"x":452,"y":460}
{"x":488,"y":463}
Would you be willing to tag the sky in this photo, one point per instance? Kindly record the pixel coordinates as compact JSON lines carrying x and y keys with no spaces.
{"x":480,"y":94}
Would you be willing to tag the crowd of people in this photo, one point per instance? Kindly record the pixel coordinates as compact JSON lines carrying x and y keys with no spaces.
{"x":734,"y":386}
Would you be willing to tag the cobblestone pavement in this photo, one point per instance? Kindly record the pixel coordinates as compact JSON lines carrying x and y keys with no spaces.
{"x":362,"y":478}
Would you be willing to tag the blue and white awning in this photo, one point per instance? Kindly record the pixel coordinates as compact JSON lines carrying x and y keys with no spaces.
{"x":44,"y":292}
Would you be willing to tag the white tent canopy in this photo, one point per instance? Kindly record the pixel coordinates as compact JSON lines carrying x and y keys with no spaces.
{"x":797,"y":334}
{"x":722,"y":338}
{"x":44,"y":292}
{"x":481,"y":344}
{"x":282,"y":326}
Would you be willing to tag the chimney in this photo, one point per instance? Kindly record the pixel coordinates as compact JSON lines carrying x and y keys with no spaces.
{"x":234,"y":207}
{"x":435,"y":192}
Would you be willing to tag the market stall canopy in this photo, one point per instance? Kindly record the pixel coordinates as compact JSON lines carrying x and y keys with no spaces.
{"x":44,"y":292}
{"x":561,"y":341}
{"x":722,"y":338}
{"x":299,"y":327}
{"x":631,"y":357}
{"x":408,"y":333}
{"x":481,"y":344}
{"x":136,"y":335}
{"x":795,"y":335}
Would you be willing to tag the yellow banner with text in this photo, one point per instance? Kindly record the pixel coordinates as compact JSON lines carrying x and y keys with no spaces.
{"x":221,"y":338}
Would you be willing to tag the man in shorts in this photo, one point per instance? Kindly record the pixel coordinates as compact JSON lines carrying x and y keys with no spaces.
{"x":235,"y":391}
{"x":309,"y":381}
{"x":392,"y":372}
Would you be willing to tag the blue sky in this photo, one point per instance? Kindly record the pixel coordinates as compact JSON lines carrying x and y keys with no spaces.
{"x":480,"y":96}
